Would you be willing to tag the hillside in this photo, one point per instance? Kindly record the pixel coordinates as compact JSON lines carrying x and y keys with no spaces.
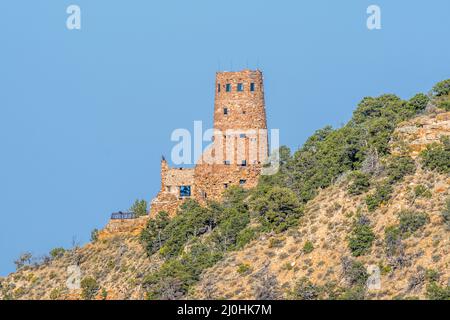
{"x":370,"y":196}
{"x":327,"y":222}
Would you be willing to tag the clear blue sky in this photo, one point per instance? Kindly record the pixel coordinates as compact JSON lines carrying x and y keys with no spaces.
{"x":85,"y":115}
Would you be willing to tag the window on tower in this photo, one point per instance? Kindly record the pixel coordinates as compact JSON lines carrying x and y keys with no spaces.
{"x":252,"y":86}
{"x":225,"y":111}
{"x":240,"y":87}
{"x":228,"y":87}
{"x":185,"y":191}
{"x":218,"y":87}
{"x":242,"y":182}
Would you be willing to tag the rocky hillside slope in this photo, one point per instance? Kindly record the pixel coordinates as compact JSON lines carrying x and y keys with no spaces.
{"x":359,"y":238}
{"x":318,"y":248}
{"x":118,"y":265}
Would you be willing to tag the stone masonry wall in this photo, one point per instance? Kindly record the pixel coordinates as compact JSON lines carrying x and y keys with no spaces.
{"x":212,"y":180}
{"x":171,"y":179}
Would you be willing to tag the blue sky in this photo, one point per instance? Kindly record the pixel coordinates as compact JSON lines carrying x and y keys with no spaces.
{"x":86,"y":114}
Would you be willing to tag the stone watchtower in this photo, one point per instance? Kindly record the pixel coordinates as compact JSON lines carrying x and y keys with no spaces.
{"x":239,"y":101}
{"x":238,"y":150}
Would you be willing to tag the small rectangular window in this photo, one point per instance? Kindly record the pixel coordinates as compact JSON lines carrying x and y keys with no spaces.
{"x":218,"y":87}
{"x":185,"y":191}
{"x":228,"y":87}
{"x":252,"y":87}
{"x":244,"y":163}
{"x":226,"y":162}
{"x":242,"y":182}
{"x":240,"y":87}
{"x":225,"y":185}
{"x":225,"y":111}
{"x":243,"y":135}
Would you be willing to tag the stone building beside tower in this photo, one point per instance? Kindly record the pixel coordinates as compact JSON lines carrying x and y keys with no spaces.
{"x":238,"y":150}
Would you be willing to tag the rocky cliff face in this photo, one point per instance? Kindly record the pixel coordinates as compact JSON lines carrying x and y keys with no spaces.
{"x":316,"y":250}
{"x":412,"y":137}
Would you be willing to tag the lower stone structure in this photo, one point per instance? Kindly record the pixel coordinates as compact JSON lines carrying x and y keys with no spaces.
{"x":212,"y":180}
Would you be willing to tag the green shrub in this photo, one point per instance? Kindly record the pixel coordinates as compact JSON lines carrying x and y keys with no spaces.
{"x":384,"y":269}
{"x":411,"y":221}
{"x":104,"y":294}
{"x":354,"y":272}
{"x":94,"y":235}
{"x":381,"y":195}
{"x":308,"y":247}
{"x":245,"y":236}
{"x":287,"y":266}
{"x":304,"y":289}
{"x":432,"y":275}
{"x":446,"y":213}
{"x":399,"y":167}
{"x":55,"y":294}
{"x":170,"y":282}
{"x":421,"y":191}
{"x":437,"y":156}
{"x":354,"y":293}
{"x":360,"y":183}
{"x":418,"y":103}
{"x":244,"y":268}
{"x":226,"y":236}
{"x":153,"y":236}
{"x":444,"y":104}
{"x":139,"y":208}
{"x":169,"y":236}
{"x":436,"y":292}
{"x":178,"y":274}
{"x":57,"y":252}
{"x":442,"y":88}
{"x":89,"y":288}
{"x":278,"y":209}
{"x":361,"y":239}
{"x":392,"y":240}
